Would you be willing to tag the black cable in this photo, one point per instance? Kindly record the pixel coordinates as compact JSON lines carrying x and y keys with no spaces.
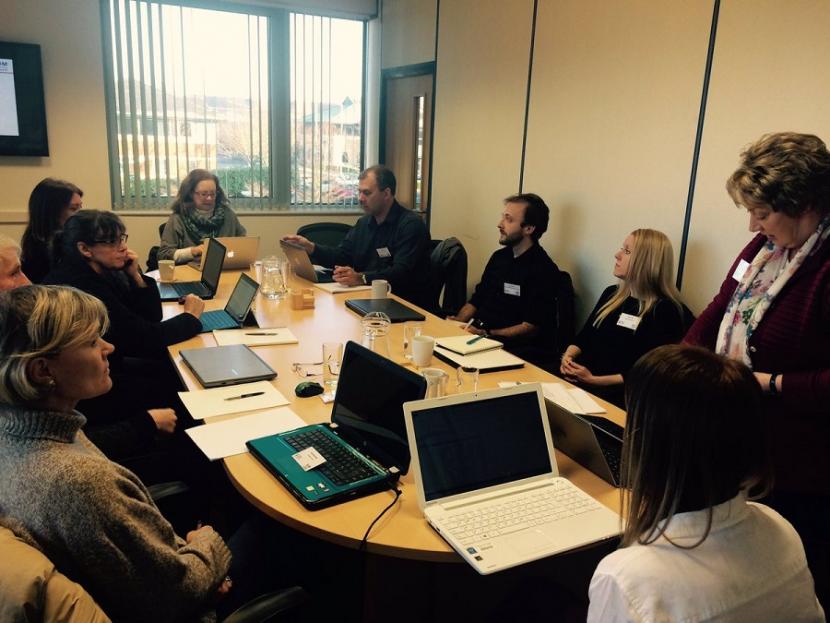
{"x":365,"y":539}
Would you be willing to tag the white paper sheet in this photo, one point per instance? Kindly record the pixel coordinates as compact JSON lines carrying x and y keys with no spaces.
{"x":253,"y":336}
{"x":336,"y":288}
{"x":573,"y":399}
{"x":205,"y":403}
{"x":220,"y":439}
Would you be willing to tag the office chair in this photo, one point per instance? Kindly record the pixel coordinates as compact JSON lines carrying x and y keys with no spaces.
{"x":153,"y":257}
{"x":328,"y":234}
{"x":448,"y":272}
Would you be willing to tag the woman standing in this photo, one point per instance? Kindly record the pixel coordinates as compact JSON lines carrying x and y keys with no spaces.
{"x":693,"y":547}
{"x":641,"y":312}
{"x":773,"y":314}
{"x":200,"y":211}
{"x":94,"y":519}
{"x":51,"y":203}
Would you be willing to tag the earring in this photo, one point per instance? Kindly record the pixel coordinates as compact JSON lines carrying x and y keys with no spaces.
{"x":51,"y":385}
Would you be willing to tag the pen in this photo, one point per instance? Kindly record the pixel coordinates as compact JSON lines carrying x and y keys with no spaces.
{"x":260,"y":334}
{"x":469,"y":322}
{"x":475,"y":339}
{"x":251,"y":395}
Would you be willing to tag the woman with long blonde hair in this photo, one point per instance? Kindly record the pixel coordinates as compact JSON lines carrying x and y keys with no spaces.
{"x":641,"y":312}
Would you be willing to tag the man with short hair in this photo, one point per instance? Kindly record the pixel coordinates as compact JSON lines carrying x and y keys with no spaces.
{"x":523,"y":299}
{"x":11,"y":275}
{"x":389,"y":242}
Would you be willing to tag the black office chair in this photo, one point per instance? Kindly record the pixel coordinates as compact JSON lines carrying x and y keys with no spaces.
{"x":153,"y":257}
{"x":328,"y":234}
{"x":448,"y":273}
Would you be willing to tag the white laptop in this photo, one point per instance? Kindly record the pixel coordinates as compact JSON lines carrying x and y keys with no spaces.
{"x":487,"y":479}
{"x":241,"y":252}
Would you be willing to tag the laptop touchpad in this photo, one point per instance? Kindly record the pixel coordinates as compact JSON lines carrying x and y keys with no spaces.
{"x":531,"y":541}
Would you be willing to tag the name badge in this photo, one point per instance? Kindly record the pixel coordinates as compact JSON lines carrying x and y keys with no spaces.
{"x":740,"y":269}
{"x":383,"y":252}
{"x":628,"y":321}
{"x":308,"y":458}
{"x":513,"y":289}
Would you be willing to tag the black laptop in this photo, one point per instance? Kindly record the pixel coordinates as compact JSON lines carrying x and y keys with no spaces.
{"x":365,"y":445}
{"x":206,"y":288}
{"x":592,"y":441}
{"x":397,"y":312}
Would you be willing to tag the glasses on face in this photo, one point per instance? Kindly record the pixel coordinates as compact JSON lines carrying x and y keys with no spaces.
{"x":205,"y":194}
{"x":122,"y":239}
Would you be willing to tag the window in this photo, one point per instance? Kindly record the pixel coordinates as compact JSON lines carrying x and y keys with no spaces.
{"x":269,"y":100}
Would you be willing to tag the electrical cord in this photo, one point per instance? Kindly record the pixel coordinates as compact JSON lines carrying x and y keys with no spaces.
{"x":364,"y":541}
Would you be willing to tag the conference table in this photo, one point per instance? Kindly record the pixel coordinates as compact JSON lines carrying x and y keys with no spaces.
{"x":403,"y":532}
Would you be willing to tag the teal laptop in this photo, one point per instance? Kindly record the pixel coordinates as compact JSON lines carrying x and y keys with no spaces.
{"x":365,"y":445}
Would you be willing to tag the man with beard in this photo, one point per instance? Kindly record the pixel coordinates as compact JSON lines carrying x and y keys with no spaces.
{"x":522,"y":292}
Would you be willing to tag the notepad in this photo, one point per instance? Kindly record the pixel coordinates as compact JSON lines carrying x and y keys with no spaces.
{"x":253,"y":336}
{"x":227,"y":438}
{"x":336,"y":288}
{"x":459,"y":344}
{"x":205,"y":403}
{"x":573,"y":399}
{"x":488,"y":361}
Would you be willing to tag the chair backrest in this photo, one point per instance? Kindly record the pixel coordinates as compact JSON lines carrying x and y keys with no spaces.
{"x":328,"y":234}
{"x":448,"y":272}
{"x":153,"y":256}
{"x":565,"y":314}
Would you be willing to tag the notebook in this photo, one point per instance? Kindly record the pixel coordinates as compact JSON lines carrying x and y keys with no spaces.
{"x":236,"y":309}
{"x":226,"y":365}
{"x":365,"y":445}
{"x":206,"y":288}
{"x":301,"y":264}
{"x":487,"y":479}
{"x":468,"y":343}
{"x":240,"y":252}
{"x":494,"y":360}
{"x":397,"y":312}
{"x":593,"y":442}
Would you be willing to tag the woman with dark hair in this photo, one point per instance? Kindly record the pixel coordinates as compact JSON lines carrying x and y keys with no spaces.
{"x":773,"y":312}
{"x":639,"y":313}
{"x":51,"y":203}
{"x":694,"y":548}
{"x":200,"y":211}
{"x":93,"y":519}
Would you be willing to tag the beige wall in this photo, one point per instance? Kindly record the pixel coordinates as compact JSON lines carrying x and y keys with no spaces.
{"x":408,"y":32}
{"x":69,"y":34}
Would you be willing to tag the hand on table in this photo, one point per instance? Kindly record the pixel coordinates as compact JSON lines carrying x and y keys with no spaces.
{"x":165,"y":419}
{"x":193,"y":305}
{"x":347,"y":276}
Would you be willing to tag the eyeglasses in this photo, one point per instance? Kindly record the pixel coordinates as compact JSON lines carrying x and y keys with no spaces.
{"x":122,"y":239}
{"x":308,"y":369}
{"x":205,"y":194}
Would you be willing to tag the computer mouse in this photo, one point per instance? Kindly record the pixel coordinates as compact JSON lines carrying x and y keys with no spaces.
{"x":308,"y":388}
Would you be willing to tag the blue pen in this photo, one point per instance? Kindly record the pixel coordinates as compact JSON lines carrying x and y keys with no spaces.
{"x":475,"y":339}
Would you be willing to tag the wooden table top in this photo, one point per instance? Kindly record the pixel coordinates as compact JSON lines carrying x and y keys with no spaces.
{"x":402,"y":531}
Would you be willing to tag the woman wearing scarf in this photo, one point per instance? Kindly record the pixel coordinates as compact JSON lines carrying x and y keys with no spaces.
{"x":200,"y":211}
{"x":773,"y":314}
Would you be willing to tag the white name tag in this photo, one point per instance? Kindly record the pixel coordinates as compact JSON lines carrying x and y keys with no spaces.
{"x":740,"y":269}
{"x":308,"y":458}
{"x":628,"y":321}
{"x":383,"y":252}
{"x":513,"y":289}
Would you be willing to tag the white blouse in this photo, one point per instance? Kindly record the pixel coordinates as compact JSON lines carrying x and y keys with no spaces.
{"x":751,"y":567}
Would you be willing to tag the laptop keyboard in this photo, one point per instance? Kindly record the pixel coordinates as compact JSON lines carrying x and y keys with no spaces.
{"x":222,"y":320}
{"x":183,"y":289}
{"x":519,"y":512}
{"x":342,"y":467}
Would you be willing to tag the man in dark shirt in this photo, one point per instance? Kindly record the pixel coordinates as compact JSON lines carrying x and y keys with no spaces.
{"x":389,"y":242}
{"x":522,"y":291}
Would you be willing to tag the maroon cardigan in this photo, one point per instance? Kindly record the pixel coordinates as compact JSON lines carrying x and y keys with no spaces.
{"x":793,"y":339}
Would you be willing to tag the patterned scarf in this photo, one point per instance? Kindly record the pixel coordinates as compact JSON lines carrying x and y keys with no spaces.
{"x":199,"y":227}
{"x":764,"y":278}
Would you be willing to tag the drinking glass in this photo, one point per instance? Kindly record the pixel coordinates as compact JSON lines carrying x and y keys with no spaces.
{"x":332,"y":358}
{"x":467,"y":377}
{"x":410,"y":330}
{"x":376,"y":326}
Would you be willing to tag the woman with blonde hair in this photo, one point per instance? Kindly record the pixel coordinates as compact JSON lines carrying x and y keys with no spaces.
{"x":641,"y":312}
{"x":694,"y":548}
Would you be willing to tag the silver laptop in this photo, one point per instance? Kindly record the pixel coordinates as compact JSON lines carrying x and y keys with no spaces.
{"x":487,"y":479}
{"x":241,"y":252}
{"x":226,"y":365}
{"x":301,"y":264}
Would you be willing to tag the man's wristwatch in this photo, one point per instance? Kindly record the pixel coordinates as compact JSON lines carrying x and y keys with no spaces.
{"x":363,"y":276}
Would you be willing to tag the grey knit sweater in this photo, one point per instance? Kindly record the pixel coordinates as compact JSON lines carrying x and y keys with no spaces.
{"x":96,"y":521}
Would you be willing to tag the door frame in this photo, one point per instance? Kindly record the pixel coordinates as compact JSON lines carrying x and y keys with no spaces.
{"x":407,"y":71}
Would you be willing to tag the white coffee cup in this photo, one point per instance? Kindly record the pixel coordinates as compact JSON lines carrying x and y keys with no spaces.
{"x":422,"y":346}
{"x":381,"y":288}
{"x":167,"y":270}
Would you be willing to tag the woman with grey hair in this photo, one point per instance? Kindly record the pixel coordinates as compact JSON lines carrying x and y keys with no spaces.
{"x":93,"y":518}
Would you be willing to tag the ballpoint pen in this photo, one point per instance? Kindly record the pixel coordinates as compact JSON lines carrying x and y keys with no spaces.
{"x":469,"y":322}
{"x":475,"y":339}
{"x":251,"y":395}
{"x":261,"y":333}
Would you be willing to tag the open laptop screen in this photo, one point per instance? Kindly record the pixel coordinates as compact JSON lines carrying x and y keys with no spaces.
{"x":368,"y":405}
{"x":482,"y":443}
{"x":212,"y":265}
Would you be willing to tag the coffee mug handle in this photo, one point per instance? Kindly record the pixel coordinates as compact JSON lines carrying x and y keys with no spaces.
{"x":388,"y":288}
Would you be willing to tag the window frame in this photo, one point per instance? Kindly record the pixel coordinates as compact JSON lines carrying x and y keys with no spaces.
{"x":279,"y":111}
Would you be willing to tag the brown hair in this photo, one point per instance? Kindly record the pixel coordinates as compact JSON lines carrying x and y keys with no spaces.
{"x":536,"y":213}
{"x":788,"y":172}
{"x":694,"y":437}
